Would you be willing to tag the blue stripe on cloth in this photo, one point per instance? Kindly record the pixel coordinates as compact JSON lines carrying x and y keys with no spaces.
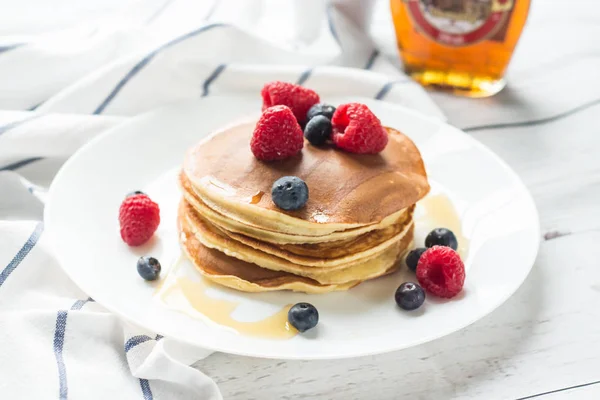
{"x":144,"y":61}
{"x":211,"y":78}
{"x":59,"y":343}
{"x":19,"y":164}
{"x":80,"y":303}
{"x":10,"y":47}
{"x":20,"y":256}
{"x":14,"y":124}
{"x":136,"y":340}
{"x":304,"y":76}
{"x":139,"y":339}
{"x":371,"y":59}
{"x":387,"y":87}
{"x":130,"y":344}
{"x":35,"y":106}
{"x":146,"y":391}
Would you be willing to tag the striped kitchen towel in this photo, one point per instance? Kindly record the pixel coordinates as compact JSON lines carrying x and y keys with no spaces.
{"x":70,"y":73}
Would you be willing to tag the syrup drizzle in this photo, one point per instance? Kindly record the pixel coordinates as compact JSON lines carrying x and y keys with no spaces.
{"x":439,"y":212}
{"x":181,"y":292}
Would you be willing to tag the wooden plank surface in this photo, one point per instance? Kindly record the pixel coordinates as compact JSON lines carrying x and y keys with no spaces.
{"x":546,"y":125}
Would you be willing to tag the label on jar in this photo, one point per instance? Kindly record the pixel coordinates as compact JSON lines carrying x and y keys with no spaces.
{"x":460,"y":22}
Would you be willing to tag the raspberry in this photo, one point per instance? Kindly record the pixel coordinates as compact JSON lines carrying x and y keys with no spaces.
{"x":277,"y":135}
{"x":357,"y":130}
{"x":139,"y":218}
{"x":441,"y":272}
{"x":299,"y":99}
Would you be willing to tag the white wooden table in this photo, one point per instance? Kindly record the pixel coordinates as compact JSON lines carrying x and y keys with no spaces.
{"x":544,"y":342}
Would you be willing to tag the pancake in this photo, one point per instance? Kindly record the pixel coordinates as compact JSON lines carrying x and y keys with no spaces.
{"x":332,"y":253}
{"x":303,"y":253}
{"x":254,"y":231}
{"x":346,"y":190}
{"x":368,"y":268}
{"x":357,"y":224}
{"x":243,"y":276}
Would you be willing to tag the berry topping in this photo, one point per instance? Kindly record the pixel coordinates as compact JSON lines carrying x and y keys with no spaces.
{"x":413,"y":258}
{"x":148,"y":268}
{"x":410,"y":296}
{"x":289,"y":193}
{"x":134,"y":193}
{"x":441,"y":272}
{"x":323,"y":109}
{"x":277,"y":135}
{"x":318,"y":130}
{"x":139,"y":218}
{"x":357,"y":130}
{"x":441,"y":237}
{"x":303,"y":316}
{"x":299,"y":99}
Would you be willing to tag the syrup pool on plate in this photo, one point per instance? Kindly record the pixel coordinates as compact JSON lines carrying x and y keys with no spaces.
{"x":193,"y":297}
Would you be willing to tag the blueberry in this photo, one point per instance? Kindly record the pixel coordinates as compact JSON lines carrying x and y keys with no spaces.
{"x":323,"y":109}
{"x":303,"y":316}
{"x":410,"y":296}
{"x":412,"y":259}
{"x":441,"y":237}
{"x":148,"y":268}
{"x":134,"y":193}
{"x":318,"y":130}
{"x":289,"y":193}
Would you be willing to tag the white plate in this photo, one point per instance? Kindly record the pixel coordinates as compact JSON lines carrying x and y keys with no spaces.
{"x":497,"y":214}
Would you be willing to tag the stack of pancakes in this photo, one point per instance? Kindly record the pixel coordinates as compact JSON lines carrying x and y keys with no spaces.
{"x":356,"y":225}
